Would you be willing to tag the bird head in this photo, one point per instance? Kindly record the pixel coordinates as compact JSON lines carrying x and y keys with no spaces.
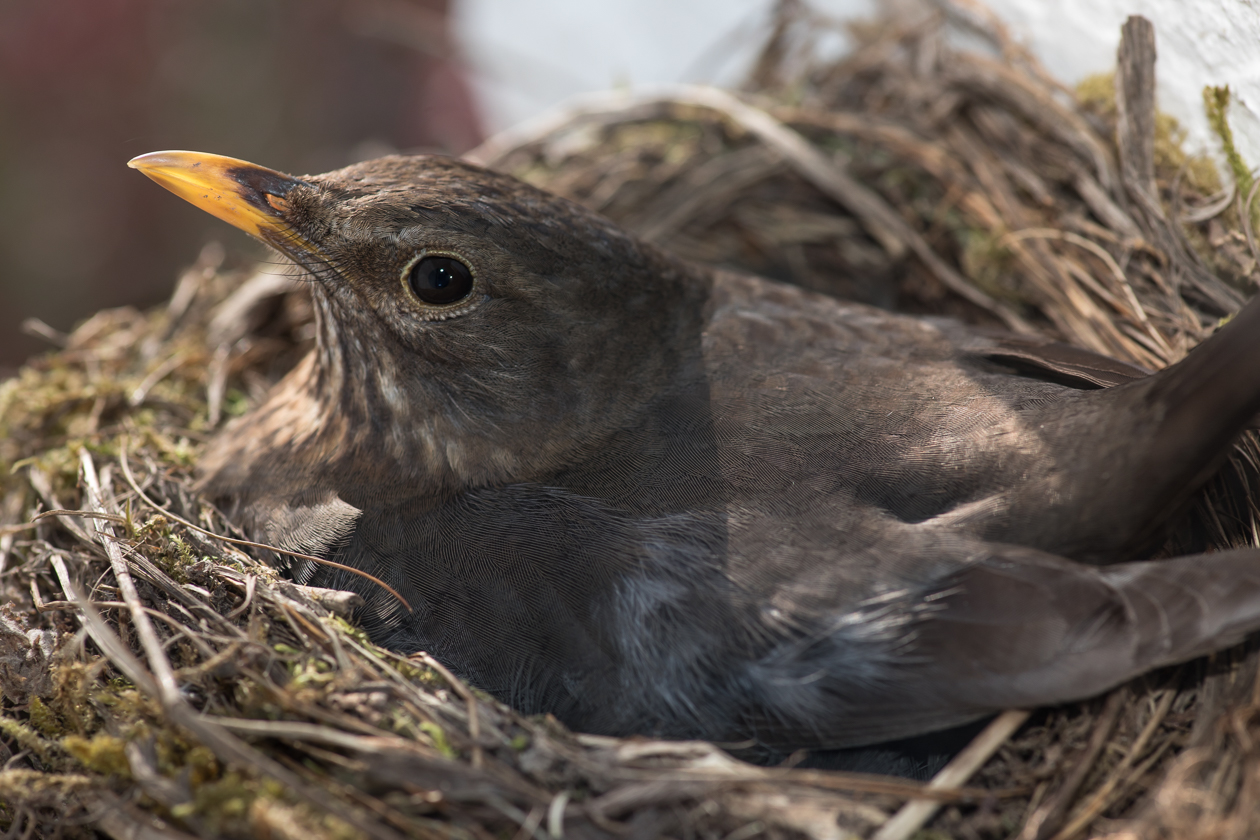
{"x":470,"y":328}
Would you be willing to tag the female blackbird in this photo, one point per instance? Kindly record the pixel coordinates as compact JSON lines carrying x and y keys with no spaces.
{"x":652,"y":497}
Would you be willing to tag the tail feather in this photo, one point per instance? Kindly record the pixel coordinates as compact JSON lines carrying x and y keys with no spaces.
{"x":1017,"y":629}
{"x":1031,"y":630}
{"x":1128,"y":459}
{"x":1210,"y":397}
{"x":1188,"y":606}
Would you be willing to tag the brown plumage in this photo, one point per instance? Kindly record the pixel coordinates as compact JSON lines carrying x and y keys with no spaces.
{"x":651,"y":497}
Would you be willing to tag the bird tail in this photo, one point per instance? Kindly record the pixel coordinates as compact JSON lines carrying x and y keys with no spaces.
{"x":1017,"y":628}
{"x":1134,"y":455}
{"x":1211,"y":396}
{"x":1187,"y":606}
{"x":1028,"y":630}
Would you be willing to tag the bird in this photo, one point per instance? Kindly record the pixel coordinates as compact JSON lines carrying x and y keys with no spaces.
{"x":656,"y":498}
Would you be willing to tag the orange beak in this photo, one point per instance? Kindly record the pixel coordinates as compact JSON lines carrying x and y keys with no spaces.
{"x":243,"y":194}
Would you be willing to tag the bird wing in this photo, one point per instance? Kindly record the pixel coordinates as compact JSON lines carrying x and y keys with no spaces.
{"x":1009,"y":628}
{"x":1054,"y":361}
{"x":1008,"y":439}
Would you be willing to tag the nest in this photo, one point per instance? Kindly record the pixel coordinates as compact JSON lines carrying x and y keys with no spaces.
{"x":160,"y":681}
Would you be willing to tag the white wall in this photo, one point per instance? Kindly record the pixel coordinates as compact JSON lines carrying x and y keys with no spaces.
{"x":530,"y":54}
{"x":527,"y":55}
{"x":1199,"y":42}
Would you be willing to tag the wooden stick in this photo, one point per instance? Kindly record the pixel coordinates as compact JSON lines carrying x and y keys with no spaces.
{"x":915,"y":813}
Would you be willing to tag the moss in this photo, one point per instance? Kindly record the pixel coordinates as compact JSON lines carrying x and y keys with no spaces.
{"x":674,"y":141}
{"x":154,"y":528}
{"x":183,"y":557}
{"x":310,"y":672}
{"x":32,"y":785}
{"x":235,"y":403}
{"x":1097,"y":94}
{"x":224,"y":804}
{"x":124,"y":702}
{"x":203,"y":767}
{"x":103,"y":754}
{"x":353,"y":631}
{"x":438,"y":738}
{"x":417,"y":673}
{"x":9,"y":396}
{"x":71,"y":699}
{"x":1170,"y":157}
{"x":176,"y":755}
{"x":249,"y":699}
{"x":179,"y":451}
{"x":27,"y":738}
{"x":270,"y":818}
{"x":1216,"y":107}
{"x":44,"y":719}
{"x":400,"y":723}
{"x":169,"y":551}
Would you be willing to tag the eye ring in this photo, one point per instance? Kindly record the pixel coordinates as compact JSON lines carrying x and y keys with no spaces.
{"x":439,"y":281}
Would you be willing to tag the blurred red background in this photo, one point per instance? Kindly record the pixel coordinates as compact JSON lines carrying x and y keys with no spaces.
{"x":298,"y":85}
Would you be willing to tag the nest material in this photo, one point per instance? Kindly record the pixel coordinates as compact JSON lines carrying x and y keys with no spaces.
{"x":158,"y":682}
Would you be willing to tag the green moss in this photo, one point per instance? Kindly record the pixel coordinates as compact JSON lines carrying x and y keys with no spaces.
{"x":178,"y":451}
{"x":28,"y":785}
{"x":71,"y":698}
{"x":675,"y":141}
{"x":103,"y":754}
{"x":1216,"y":106}
{"x":438,"y":737}
{"x":400,"y":723}
{"x":353,"y":631}
{"x":170,"y":552}
{"x":203,"y":767}
{"x":266,"y":813}
{"x":44,"y":719}
{"x":154,"y":528}
{"x":221,"y":802}
{"x":1097,"y":94}
{"x":27,"y":738}
{"x":235,"y":403}
{"x":420,"y":674}
{"x":310,"y":672}
{"x":1170,"y":157}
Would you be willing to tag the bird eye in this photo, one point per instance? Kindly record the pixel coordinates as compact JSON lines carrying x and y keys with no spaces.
{"x":440,"y":280}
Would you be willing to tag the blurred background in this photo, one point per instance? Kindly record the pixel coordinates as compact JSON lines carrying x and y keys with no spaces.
{"x":310,"y":85}
{"x":301,"y":85}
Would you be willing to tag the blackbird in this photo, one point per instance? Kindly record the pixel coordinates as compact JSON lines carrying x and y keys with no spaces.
{"x":652,"y":497}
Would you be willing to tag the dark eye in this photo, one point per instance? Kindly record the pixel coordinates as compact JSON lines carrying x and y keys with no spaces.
{"x":440,"y":280}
